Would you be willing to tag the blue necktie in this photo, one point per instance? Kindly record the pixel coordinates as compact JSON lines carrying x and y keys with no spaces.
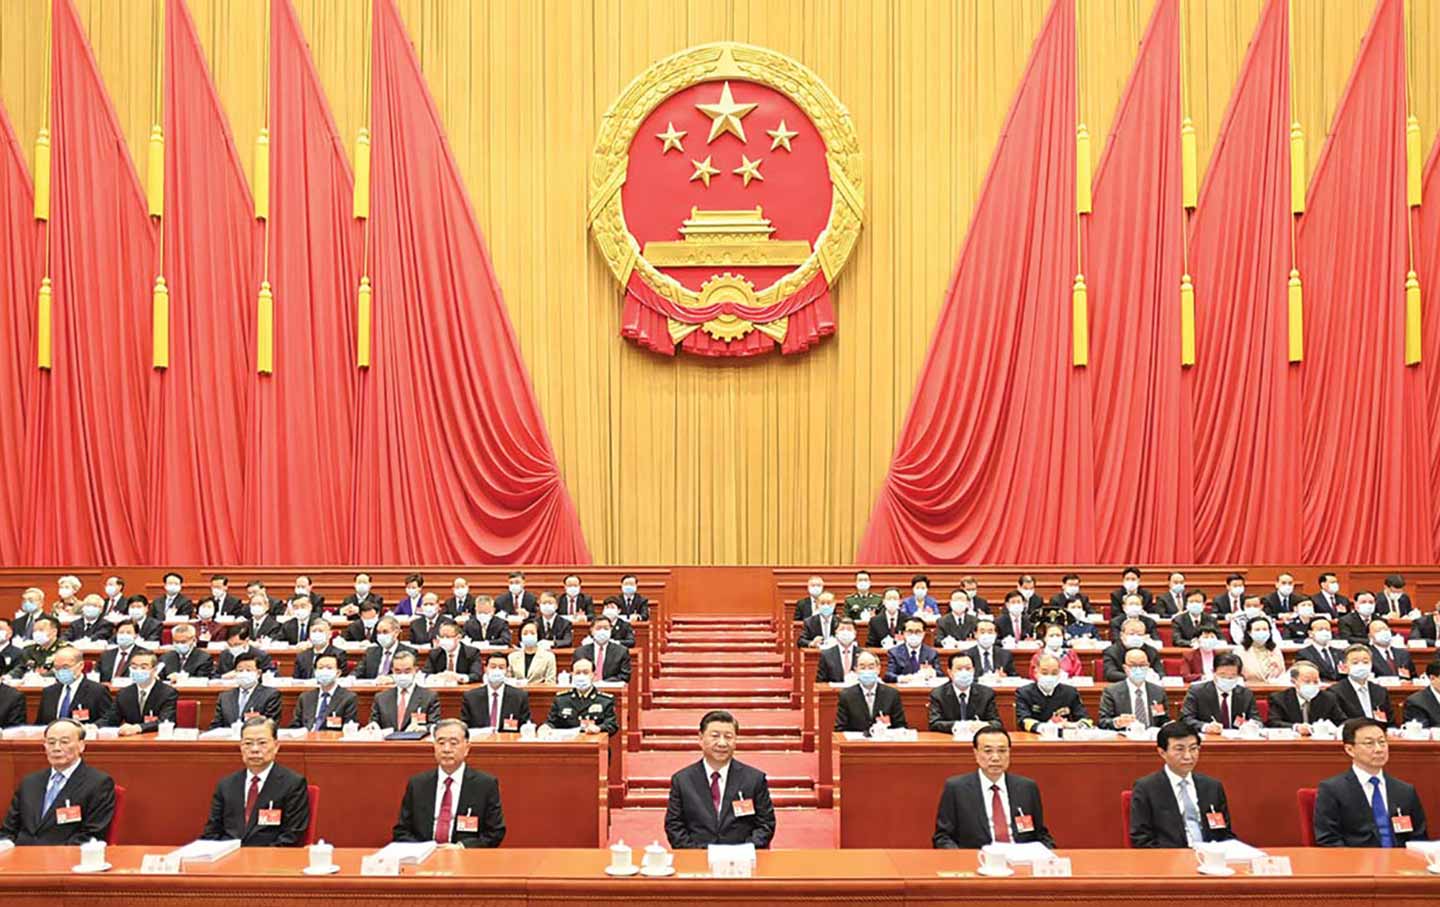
{"x":57,"y":781}
{"x":1382,"y":815}
{"x":65,"y":705}
{"x":321,"y":710}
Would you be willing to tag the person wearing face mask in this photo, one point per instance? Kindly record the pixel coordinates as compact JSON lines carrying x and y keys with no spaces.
{"x":72,"y":695}
{"x":1053,"y":639}
{"x":620,"y":630}
{"x":237,"y":643}
{"x":1185,"y":626}
{"x":553,"y":628}
{"x":248,"y":699}
{"x":837,"y":663}
{"x":461,"y":602}
{"x":265,"y":625}
{"x":1232,"y":599}
{"x":613,"y":659}
{"x":1199,"y":662}
{"x":32,"y":605}
{"x":10,"y":654}
{"x":516,"y":599}
{"x":631,"y":604}
{"x":1025,"y":587}
{"x":39,"y":656}
{"x":208,"y":627}
{"x":531,"y":662}
{"x":184,"y":656}
{"x":320,"y":641}
{"x":888,"y":626}
{"x":305,"y":588}
{"x":1390,"y":659}
{"x":1132,"y":638}
{"x":1239,"y":622}
{"x":1015,"y":623}
{"x":140,"y":707}
{"x":1304,"y":703}
{"x":1424,"y":706}
{"x":328,"y":706}
{"x":1211,"y":706}
{"x":414,"y":595}
{"x":573,"y":601}
{"x":498,"y":705}
{"x":1047,"y":700}
{"x":224,"y":602}
{"x":406,"y":706}
{"x":1132,"y":608}
{"x":962,"y":699}
{"x":920,"y":602}
{"x":978,"y":602}
{"x":363,"y":630}
{"x":300,"y":618}
{"x":1133,"y":700}
{"x":115,"y":661}
{"x":868,"y":703}
{"x":990,"y":658}
{"x":68,"y":602}
{"x":808,"y":605}
{"x":91,"y":625}
{"x":819,"y":628}
{"x":241,"y":608}
{"x":173,"y":600}
{"x":428,"y":618}
{"x":114,"y":601}
{"x":1354,"y":627}
{"x":1070,"y":595}
{"x":1320,"y":652}
{"x":1427,"y":627}
{"x":363,"y":595}
{"x":959,"y":622}
{"x":1395,"y":603}
{"x":381,"y":656}
{"x":12,"y":706}
{"x":487,"y":627}
{"x":582,"y":705}
{"x":450,"y":660}
{"x":1360,"y":696}
{"x":1281,"y":601}
{"x":912,"y":657}
{"x":1171,"y":602}
{"x":1260,"y":659}
{"x":1297,"y":628}
{"x":1329,"y":601}
{"x":863,"y":601}
{"x":148,"y":627}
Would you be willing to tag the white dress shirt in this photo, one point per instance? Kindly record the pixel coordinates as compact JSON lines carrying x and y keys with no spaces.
{"x":1362,"y":692}
{"x":1364,"y":778}
{"x":987,"y":797}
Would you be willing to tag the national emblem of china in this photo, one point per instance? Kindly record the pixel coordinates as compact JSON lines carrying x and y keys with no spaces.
{"x":725,"y":195}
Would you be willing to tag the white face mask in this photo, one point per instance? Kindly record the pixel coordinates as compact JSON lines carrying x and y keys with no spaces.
{"x":429,"y":610}
{"x":862,"y":585}
{"x":412,"y":594}
{"x":815,"y":589}
{"x":1365,"y":608}
{"x":1026,"y":593}
{"x":572,"y":591}
{"x":846,"y":637}
{"x":112,"y":590}
{"x":516,"y":589}
{"x":172,"y":588}
{"x":461,"y":591}
{"x":1383,"y":638}
{"x":1360,"y":671}
{"x":319,"y":640}
{"x":921,"y":594}
{"x":628,"y":589}
{"x":601,"y":636}
{"x":891,"y":606}
{"x":1130,"y":585}
{"x":246,"y":679}
{"x":1177,"y":590}
{"x":447,"y":643}
{"x":1209,"y":643}
{"x":218,"y":593}
{"x":1072,"y":591}
{"x":1195,"y":609}
{"x":1260,"y":636}
{"x":404,"y":681}
{"x":1286,"y":588}
{"x":1134,"y":642}
{"x":1305,"y":611}
{"x":1048,"y":683}
{"x":547,"y":609}
{"x":1237,"y":591}
{"x":137,"y":615}
{"x":91,"y":612}
{"x":207,"y":612}
{"x":384,"y":640}
{"x":1133,"y":610}
{"x":1054,"y":643}
{"x":986,"y":640}
{"x":1320,"y":637}
{"x":302,"y":615}
{"x":612,"y":613}
{"x":258,"y":610}
{"x":1227,"y":684}
{"x":495,"y":676}
{"x":1308,"y":691}
{"x":302,"y":590}
{"x":913,"y":640}
{"x":362,"y":589}
{"x":1332,"y":588}
{"x":40,"y":638}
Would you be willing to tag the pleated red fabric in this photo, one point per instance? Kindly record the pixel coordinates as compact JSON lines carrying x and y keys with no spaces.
{"x":20,"y":236}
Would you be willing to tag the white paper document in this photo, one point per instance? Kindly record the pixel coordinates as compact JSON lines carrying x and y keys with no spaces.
{"x":206,"y":851}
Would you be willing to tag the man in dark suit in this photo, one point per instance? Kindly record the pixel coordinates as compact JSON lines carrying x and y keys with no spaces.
{"x":451,"y":659}
{"x":1395,"y":602}
{"x":69,"y":802}
{"x":719,"y":800}
{"x":414,"y":597}
{"x":1304,"y":703}
{"x":405,"y":706}
{"x":1177,"y":806}
{"x":1355,"y":626}
{"x":321,"y":641}
{"x":248,"y":699}
{"x":978,"y":602}
{"x":264,"y":804}
{"x":1014,"y":621}
{"x":968,"y":817}
{"x":140,"y":707}
{"x":1231,"y":599}
{"x":1134,"y":700}
{"x":172,"y":601}
{"x":1319,"y":652}
{"x":1131,"y":638}
{"x":1328,"y":600}
{"x":265,"y":625}
{"x":329,"y":706}
{"x":611,"y":660}
{"x":224,"y":602}
{"x":452,"y":804}
{"x":552,"y":626}
{"x":477,"y":706}
{"x":1424,"y":706}
{"x":869,"y":702}
{"x":363,"y":630}
{"x":808,"y":605}
{"x":12,"y":707}
{"x":355,"y":603}
{"x":989,"y":657}
{"x":1388,"y":659}
{"x":819,"y":628}
{"x":184,"y":657}
{"x":959,"y":622}
{"x":1366,"y":807}
{"x":912,"y":656}
{"x":1427,"y":627}
{"x":115,"y":661}
{"x":573,"y":602}
{"x":461,"y":602}
{"x":1070,"y":595}
{"x":10,"y":654}
{"x":962,"y":699}
{"x":380,"y":657}
{"x":426,"y":625}
{"x":1283,"y":599}
{"x":237,"y":643}
{"x":515,"y":599}
{"x":91,"y":624}
{"x":305,"y":588}
{"x":1171,"y":602}
{"x":837,"y":662}
{"x":889,"y":623}
{"x":485,"y":625}
{"x":1215,"y":705}
{"x":148,"y":627}
{"x":1130,"y":585}
{"x":241,"y":607}
{"x":1185,"y":626}
{"x":1047,"y":699}
{"x":1359,"y":696}
{"x":1132,"y":609}
{"x":72,"y":695}
{"x":633,"y":605}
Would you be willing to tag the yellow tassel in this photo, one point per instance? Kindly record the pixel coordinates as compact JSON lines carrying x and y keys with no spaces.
{"x":155,"y":172}
{"x":1412,"y":319}
{"x":42,"y":327}
{"x":362,"y":174}
{"x":1079,"y":323}
{"x":265,"y":323}
{"x":262,"y":175}
{"x":362,"y":340}
{"x":160,"y":324}
{"x":1296,"y":317}
{"x":1297,"y":172}
{"x":1187,"y":321}
{"x":1082,"y":169}
{"x":1189,"y":166}
{"x":1413,"y":161}
{"x":42,"y":175}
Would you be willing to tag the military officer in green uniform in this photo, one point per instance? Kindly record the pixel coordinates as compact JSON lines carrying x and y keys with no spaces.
{"x":45,"y":642}
{"x":863,"y":599}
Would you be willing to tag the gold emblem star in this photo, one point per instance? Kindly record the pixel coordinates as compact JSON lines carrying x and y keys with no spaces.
{"x":725,"y":116}
{"x":781,"y":137}
{"x":748,"y":169}
{"x":671,"y":137}
{"x":703,"y":171}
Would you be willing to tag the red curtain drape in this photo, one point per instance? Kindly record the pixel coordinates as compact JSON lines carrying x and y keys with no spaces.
{"x":1143,"y":473}
{"x":301,"y":469}
{"x":457,"y":464}
{"x":19,"y":283}
{"x":1365,"y":458}
{"x":89,"y":447}
{"x":200,"y":411}
{"x":995,"y":460}
{"x":1427,"y":267}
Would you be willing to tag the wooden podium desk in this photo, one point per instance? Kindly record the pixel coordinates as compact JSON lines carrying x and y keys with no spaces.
{"x":41,"y":876}
{"x":889,"y":792}
{"x":553,"y":793}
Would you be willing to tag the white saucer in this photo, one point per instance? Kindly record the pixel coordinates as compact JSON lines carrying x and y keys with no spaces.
{"x":660,"y":873}
{"x":627,"y":871}
{"x":995,"y":872}
{"x":321,"y":870}
{"x":1215,"y":871}
{"x":79,"y":868}
{"x":1434,"y":868}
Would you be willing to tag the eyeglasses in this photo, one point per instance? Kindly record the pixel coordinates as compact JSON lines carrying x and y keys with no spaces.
{"x":1378,"y":743}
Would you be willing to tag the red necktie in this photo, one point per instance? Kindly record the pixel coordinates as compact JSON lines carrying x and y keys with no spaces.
{"x":400,"y":722}
{"x":122,"y":659}
{"x":715,"y":791}
{"x":599,"y":662}
{"x":998,"y":817}
{"x":845,"y":661}
{"x":442,"y":818}
{"x":251,"y":796}
{"x":495,"y":709}
{"x":1225,"y":709}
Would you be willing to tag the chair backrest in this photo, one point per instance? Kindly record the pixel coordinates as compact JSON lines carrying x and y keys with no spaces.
{"x":1263,"y":705}
{"x":1174,"y":667}
{"x":1099,"y":670}
{"x":312,"y":793}
{"x":113,"y":835}
{"x":1305,"y":799}
{"x":1125,"y":817}
{"x":1167,"y":634}
{"x":187,"y":713}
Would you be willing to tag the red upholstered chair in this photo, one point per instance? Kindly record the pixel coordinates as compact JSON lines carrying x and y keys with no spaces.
{"x":113,"y":835}
{"x":1264,"y":707}
{"x":165,"y":636}
{"x":187,"y":712}
{"x":1174,"y":667}
{"x":313,"y":794}
{"x":1125,"y":817}
{"x":1167,"y":635}
{"x":1305,"y":799}
{"x":1100,"y":670}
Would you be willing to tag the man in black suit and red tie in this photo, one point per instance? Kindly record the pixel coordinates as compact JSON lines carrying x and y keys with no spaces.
{"x":991,"y":805}
{"x":452,"y":804}
{"x":264,"y":804}
{"x":719,"y":800}
{"x":67,"y":803}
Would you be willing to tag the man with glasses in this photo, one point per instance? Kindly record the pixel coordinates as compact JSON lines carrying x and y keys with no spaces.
{"x":991,"y":805}
{"x":1365,"y":807}
{"x":452,"y":804}
{"x":67,"y":803}
{"x":1177,"y":806}
{"x":264,"y":804}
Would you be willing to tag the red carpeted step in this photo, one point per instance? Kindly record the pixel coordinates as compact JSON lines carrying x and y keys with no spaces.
{"x":720,"y":645}
{"x":686,"y":721}
{"x":809,"y":829}
{"x":682,"y":743}
{"x":783,"y":770}
{"x":722,"y":659}
{"x":733,"y":702}
{"x":728,"y":672}
{"x":718,"y":688}
{"x":778,"y":796}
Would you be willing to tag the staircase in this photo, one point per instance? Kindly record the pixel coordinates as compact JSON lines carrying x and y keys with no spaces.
{"x":730,"y":663}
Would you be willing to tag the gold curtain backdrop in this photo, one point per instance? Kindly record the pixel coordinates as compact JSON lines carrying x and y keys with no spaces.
{"x":688,"y":461}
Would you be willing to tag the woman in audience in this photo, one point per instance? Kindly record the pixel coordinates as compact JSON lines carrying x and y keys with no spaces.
{"x":1260,"y":658}
{"x":1054,"y":637}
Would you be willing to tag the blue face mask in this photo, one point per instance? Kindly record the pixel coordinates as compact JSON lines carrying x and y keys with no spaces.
{"x":868,"y":677}
{"x":827,"y":610}
{"x":139,"y":676}
{"x":65,"y":676}
{"x":1137,"y":674}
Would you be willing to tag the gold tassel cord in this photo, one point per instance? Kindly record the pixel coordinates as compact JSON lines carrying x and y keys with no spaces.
{"x":160,"y":324}
{"x":1296,"y":317}
{"x":1079,"y":323}
{"x":1297,"y":169}
{"x":1413,"y":161}
{"x":1412,"y":319}
{"x":1082,"y":170}
{"x":155,"y":172}
{"x":366,"y":313}
{"x":262,"y":175}
{"x":1187,"y":321}
{"x":265,"y":331}
{"x":43,"y":326}
{"x":362,"y":174}
{"x":1189,"y":166}
{"x":42,"y":174}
